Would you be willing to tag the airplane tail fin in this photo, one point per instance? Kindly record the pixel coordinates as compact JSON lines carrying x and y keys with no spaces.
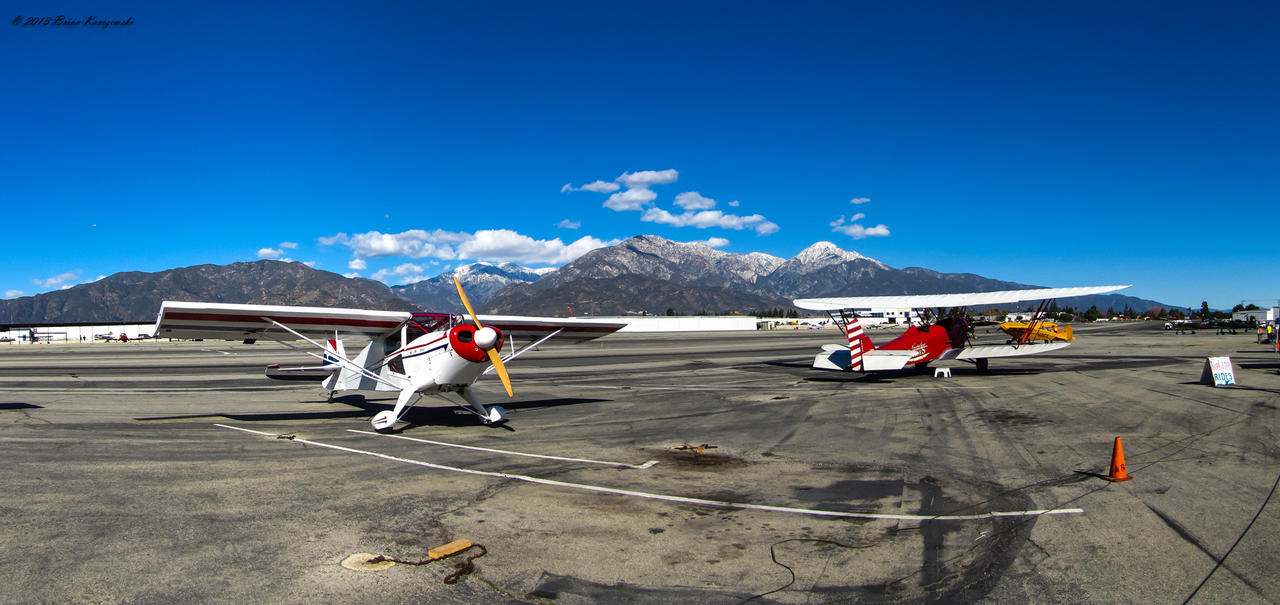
{"x":1066,"y":333}
{"x":859,"y":342}
{"x":333,"y":347}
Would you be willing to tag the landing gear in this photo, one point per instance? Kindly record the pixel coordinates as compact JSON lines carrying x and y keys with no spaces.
{"x":982,"y":364}
{"x":491,"y":415}
{"x":496,"y":415}
{"x":384,"y":421}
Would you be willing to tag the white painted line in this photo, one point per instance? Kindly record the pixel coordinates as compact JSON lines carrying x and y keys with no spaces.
{"x":510,"y":453}
{"x":682,"y":499}
{"x":768,"y":388}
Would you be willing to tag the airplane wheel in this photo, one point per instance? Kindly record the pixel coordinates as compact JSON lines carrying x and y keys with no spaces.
{"x":982,"y":365}
{"x":384,"y":421}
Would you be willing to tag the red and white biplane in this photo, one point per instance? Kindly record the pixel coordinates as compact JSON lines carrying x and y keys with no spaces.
{"x":941,"y":339}
{"x":412,"y":353}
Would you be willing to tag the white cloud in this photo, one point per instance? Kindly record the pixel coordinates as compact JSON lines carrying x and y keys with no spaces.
{"x":506,"y":245}
{"x":309,"y":263}
{"x":857,"y":231}
{"x":414,"y":243}
{"x":61,"y":281}
{"x":568,"y":224}
{"x":692,"y":200}
{"x":766,"y":228}
{"x":840,"y":221}
{"x":710,"y":218}
{"x":339,"y":238}
{"x":715,"y":242}
{"x":271,"y":253}
{"x":351,"y":274}
{"x":859,"y":200}
{"x":601,"y":187}
{"x":288,"y":245}
{"x":492,"y":245}
{"x":631,"y":199}
{"x":645,"y":178}
{"x":597,"y":186}
{"x":734,"y":204}
{"x":14,"y":293}
{"x":406,"y":273}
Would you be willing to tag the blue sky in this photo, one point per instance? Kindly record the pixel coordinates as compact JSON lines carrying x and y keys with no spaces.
{"x":1056,"y":144}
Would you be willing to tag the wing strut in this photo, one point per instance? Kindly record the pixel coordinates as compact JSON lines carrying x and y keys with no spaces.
{"x":490,"y":369}
{"x":342,"y":360}
{"x":1035,"y":318}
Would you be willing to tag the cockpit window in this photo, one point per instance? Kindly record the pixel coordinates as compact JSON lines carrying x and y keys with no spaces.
{"x":425,"y":323}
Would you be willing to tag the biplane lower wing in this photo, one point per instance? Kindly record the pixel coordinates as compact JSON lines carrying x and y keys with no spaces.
{"x":1007,"y":350}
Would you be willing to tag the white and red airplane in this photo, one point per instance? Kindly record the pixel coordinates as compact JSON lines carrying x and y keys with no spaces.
{"x":413,"y":353}
{"x":943,"y":339}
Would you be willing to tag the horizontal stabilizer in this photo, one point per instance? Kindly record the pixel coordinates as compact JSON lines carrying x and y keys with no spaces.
{"x":311,"y":374}
{"x":877,"y":360}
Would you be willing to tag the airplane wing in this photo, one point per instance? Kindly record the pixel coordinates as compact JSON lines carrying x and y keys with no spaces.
{"x":989,"y":351}
{"x":572,"y":329}
{"x":966,"y":299}
{"x":251,"y":322}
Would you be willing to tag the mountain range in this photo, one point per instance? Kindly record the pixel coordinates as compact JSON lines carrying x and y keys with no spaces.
{"x":643,"y":274}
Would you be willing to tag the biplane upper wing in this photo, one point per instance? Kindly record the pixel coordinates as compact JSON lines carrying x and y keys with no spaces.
{"x":572,"y":329}
{"x":965,"y":299}
{"x":251,"y":322}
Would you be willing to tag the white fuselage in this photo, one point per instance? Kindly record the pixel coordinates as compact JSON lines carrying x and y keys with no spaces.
{"x":432,"y":365}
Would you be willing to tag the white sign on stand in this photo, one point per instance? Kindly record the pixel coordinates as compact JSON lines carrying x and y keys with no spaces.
{"x":1218,"y":372}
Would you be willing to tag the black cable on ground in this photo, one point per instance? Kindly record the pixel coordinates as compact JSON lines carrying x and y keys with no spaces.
{"x":773,"y":554}
{"x":1236,"y":543}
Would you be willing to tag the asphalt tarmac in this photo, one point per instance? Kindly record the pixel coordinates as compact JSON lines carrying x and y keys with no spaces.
{"x":149,"y":472}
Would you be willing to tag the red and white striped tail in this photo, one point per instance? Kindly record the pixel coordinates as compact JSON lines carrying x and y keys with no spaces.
{"x":859,"y":342}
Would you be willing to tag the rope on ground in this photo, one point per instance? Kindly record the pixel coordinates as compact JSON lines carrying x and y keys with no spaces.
{"x":465,"y":567}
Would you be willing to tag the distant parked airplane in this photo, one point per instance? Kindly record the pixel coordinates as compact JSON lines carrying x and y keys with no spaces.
{"x":943,"y":339}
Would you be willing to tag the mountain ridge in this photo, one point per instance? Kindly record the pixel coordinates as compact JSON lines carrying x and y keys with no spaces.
{"x":645,"y":274}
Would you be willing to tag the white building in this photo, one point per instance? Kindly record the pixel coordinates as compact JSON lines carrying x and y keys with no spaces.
{"x":885,"y":315}
{"x":1261,"y":316}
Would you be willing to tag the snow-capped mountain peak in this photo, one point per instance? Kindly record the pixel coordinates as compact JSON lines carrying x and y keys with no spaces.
{"x":824,"y":253}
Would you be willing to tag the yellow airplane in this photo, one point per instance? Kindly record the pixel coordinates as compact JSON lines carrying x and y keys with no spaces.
{"x":1044,"y":330}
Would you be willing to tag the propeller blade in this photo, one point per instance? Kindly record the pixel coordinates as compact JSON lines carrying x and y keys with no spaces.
{"x":466,"y":303}
{"x":493,"y":352}
{"x":502,"y":370}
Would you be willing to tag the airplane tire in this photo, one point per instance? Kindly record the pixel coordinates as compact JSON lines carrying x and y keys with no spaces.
{"x":982,"y":365}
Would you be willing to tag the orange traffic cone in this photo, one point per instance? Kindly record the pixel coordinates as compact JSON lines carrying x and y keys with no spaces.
{"x":1117,"y":463}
